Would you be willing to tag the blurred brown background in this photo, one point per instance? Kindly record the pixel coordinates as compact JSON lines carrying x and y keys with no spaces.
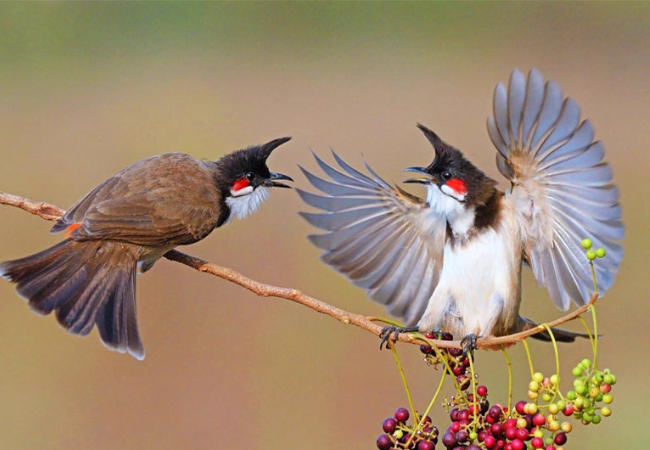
{"x":86,"y":89}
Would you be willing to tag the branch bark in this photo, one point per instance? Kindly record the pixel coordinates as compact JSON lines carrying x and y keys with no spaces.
{"x":52,"y":212}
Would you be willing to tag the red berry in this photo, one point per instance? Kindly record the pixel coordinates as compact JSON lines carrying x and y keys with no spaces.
{"x":444,"y":336}
{"x":453,"y":414}
{"x":455,"y":427}
{"x":517,"y":444}
{"x":508,"y":447}
{"x":384,"y":442}
{"x":605,"y":388}
{"x":501,"y":443}
{"x":511,"y":433}
{"x":496,"y":429}
{"x":389,"y":425}
{"x":568,"y":410}
{"x":464,"y":414}
{"x":560,"y":439}
{"x":537,"y":442}
{"x":426,"y":445}
{"x":482,"y":390}
{"x":549,"y":447}
{"x":510,"y":423}
{"x":539,"y":420}
{"x":426,"y":349}
{"x":449,"y":439}
{"x":495,"y":412}
{"x":489,"y":442}
{"x":402,"y":414}
{"x":519,"y":407}
{"x":522,"y":433}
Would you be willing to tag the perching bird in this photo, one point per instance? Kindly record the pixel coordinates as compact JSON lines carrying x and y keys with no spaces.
{"x":132,"y":219}
{"x":452,"y":262}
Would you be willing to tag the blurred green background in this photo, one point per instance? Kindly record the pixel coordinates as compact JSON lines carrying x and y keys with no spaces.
{"x":88,"y":88}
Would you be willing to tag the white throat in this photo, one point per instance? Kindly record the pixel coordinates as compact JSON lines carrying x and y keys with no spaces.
{"x":460,"y":218}
{"x":242,"y":204}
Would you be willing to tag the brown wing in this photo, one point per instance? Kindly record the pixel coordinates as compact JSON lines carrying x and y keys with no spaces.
{"x":169,"y":199}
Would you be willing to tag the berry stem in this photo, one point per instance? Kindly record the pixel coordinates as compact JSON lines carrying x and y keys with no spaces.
{"x":505,"y":355}
{"x":474,"y":399}
{"x":557,"y":360}
{"x":530,"y":359}
{"x":592,"y":338}
{"x":593,"y":318}
{"x":406,"y":384}
{"x":448,"y":369}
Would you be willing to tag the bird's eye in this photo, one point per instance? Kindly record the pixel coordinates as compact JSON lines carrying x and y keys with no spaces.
{"x":445,"y":175}
{"x":250,"y":176}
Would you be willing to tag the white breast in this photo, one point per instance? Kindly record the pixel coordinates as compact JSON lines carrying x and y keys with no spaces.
{"x":243,"y":205}
{"x":479,"y":282}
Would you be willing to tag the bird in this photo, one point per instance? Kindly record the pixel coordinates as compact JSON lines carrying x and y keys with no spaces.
{"x":452,"y":261}
{"x":127,"y":223}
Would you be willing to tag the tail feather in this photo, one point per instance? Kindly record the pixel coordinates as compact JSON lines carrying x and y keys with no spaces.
{"x":559,"y":334}
{"x":86,"y":283}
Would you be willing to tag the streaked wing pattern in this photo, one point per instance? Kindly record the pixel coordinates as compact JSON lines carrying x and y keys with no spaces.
{"x":382,"y":239}
{"x":561,"y":183}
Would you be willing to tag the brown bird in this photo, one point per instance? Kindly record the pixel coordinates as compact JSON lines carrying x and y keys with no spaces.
{"x":131,"y":220}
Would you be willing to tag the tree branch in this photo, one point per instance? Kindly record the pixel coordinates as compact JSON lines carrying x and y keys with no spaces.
{"x":52,"y":212}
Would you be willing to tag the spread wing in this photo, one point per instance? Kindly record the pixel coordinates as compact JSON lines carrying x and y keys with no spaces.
{"x":157,"y":201}
{"x":383,"y":239}
{"x":562,"y":189}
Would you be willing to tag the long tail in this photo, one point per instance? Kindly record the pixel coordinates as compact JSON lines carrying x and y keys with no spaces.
{"x":86,"y":283}
{"x":559,"y":334}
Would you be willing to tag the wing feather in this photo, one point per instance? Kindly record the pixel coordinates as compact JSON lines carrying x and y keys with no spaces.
{"x":562,"y":188}
{"x":382,"y":239}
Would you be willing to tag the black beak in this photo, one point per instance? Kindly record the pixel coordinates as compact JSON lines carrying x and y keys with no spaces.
{"x":271,"y":182}
{"x":421,"y":180}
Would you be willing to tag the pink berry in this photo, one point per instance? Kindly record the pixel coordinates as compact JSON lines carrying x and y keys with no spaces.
{"x":517,"y":444}
{"x":482,"y":391}
{"x":489,"y":442}
{"x":539,"y":420}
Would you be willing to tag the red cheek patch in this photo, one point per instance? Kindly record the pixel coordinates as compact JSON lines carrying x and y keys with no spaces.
{"x":240,"y":184}
{"x":457,"y":185}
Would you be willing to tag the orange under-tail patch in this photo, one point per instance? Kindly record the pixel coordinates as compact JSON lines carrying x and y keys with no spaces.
{"x":71,"y":228}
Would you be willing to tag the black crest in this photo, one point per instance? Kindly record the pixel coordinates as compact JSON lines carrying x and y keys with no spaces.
{"x":253,"y":159}
{"x":480,"y":187}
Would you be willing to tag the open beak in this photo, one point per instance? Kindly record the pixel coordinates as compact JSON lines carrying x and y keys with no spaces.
{"x":420,"y":180}
{"x":271,"y":182}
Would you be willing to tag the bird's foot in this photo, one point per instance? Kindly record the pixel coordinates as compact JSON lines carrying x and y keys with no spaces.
{"x":469,"y":344}
{"x":395,"y":331}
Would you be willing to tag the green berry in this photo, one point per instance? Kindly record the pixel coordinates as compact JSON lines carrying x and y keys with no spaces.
{"x":600,"y":252}
{"x":596,"y":419}
{"x":593,"y":392}
{"x":555,"y":379}
{"x":577,"y":371}
{"x":473,"y":435}
{"x":546,"y":397}
{"x":585,"y":362}
{"x":533,"y":386}
{"x":586,"y":243}
{"x":399,"y":434}
{"x":608,"y":398}
{"x":571,"y":395}
{"x":553,"y":408}
{"x":538,"y":376}
{"x":591,"y":255}
{"x":561,"y":404}
{"x":605,"y":411}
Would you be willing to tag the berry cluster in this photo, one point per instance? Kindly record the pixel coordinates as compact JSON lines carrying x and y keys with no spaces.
{"x":422,"y":435}
{"x":591,"y":388}
{"x":477,"y":425}
{"x":456,"y":362}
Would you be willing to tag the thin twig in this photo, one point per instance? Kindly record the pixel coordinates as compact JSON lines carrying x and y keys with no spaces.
{"x":52,"y":212}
